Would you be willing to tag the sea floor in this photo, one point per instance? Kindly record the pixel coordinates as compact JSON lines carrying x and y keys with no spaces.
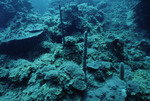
{"x":35,"y":66}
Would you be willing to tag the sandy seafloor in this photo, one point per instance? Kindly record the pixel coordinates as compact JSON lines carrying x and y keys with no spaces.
{"x":34,"y":65}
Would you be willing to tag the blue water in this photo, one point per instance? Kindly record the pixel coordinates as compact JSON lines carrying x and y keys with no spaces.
{"x":40,"y":6}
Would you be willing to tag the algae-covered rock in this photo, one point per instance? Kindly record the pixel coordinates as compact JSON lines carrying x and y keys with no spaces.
{"x":79,"y":17}
{"x":73,"y":70}
{"x":3,"y":72}
{"x":132,"y":87}
{"x":70,"y":41}
{"x":72,"y":75}
{"x":44,"y":92}
{"x":21,"y":70}
{"x":114,"y":89}
{"x":142,"y":77}
{"x":102,"y":65}
{"x":48,"y":73}
{"x":1,"y":89}
{"x":24,"y":32}
{"x":51,"y":75}
{"x":79,"y":84}
{"x":94,"y":65}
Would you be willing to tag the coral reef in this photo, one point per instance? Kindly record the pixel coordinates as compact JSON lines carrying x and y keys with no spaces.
{"x":9,"y":8}
{"x":34,"y":65}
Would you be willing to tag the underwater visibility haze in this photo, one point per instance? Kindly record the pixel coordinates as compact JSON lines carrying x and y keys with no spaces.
{"x":74,"y":50}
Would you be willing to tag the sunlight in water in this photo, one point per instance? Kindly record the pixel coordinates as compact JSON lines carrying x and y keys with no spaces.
{"x":40,"y":5}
